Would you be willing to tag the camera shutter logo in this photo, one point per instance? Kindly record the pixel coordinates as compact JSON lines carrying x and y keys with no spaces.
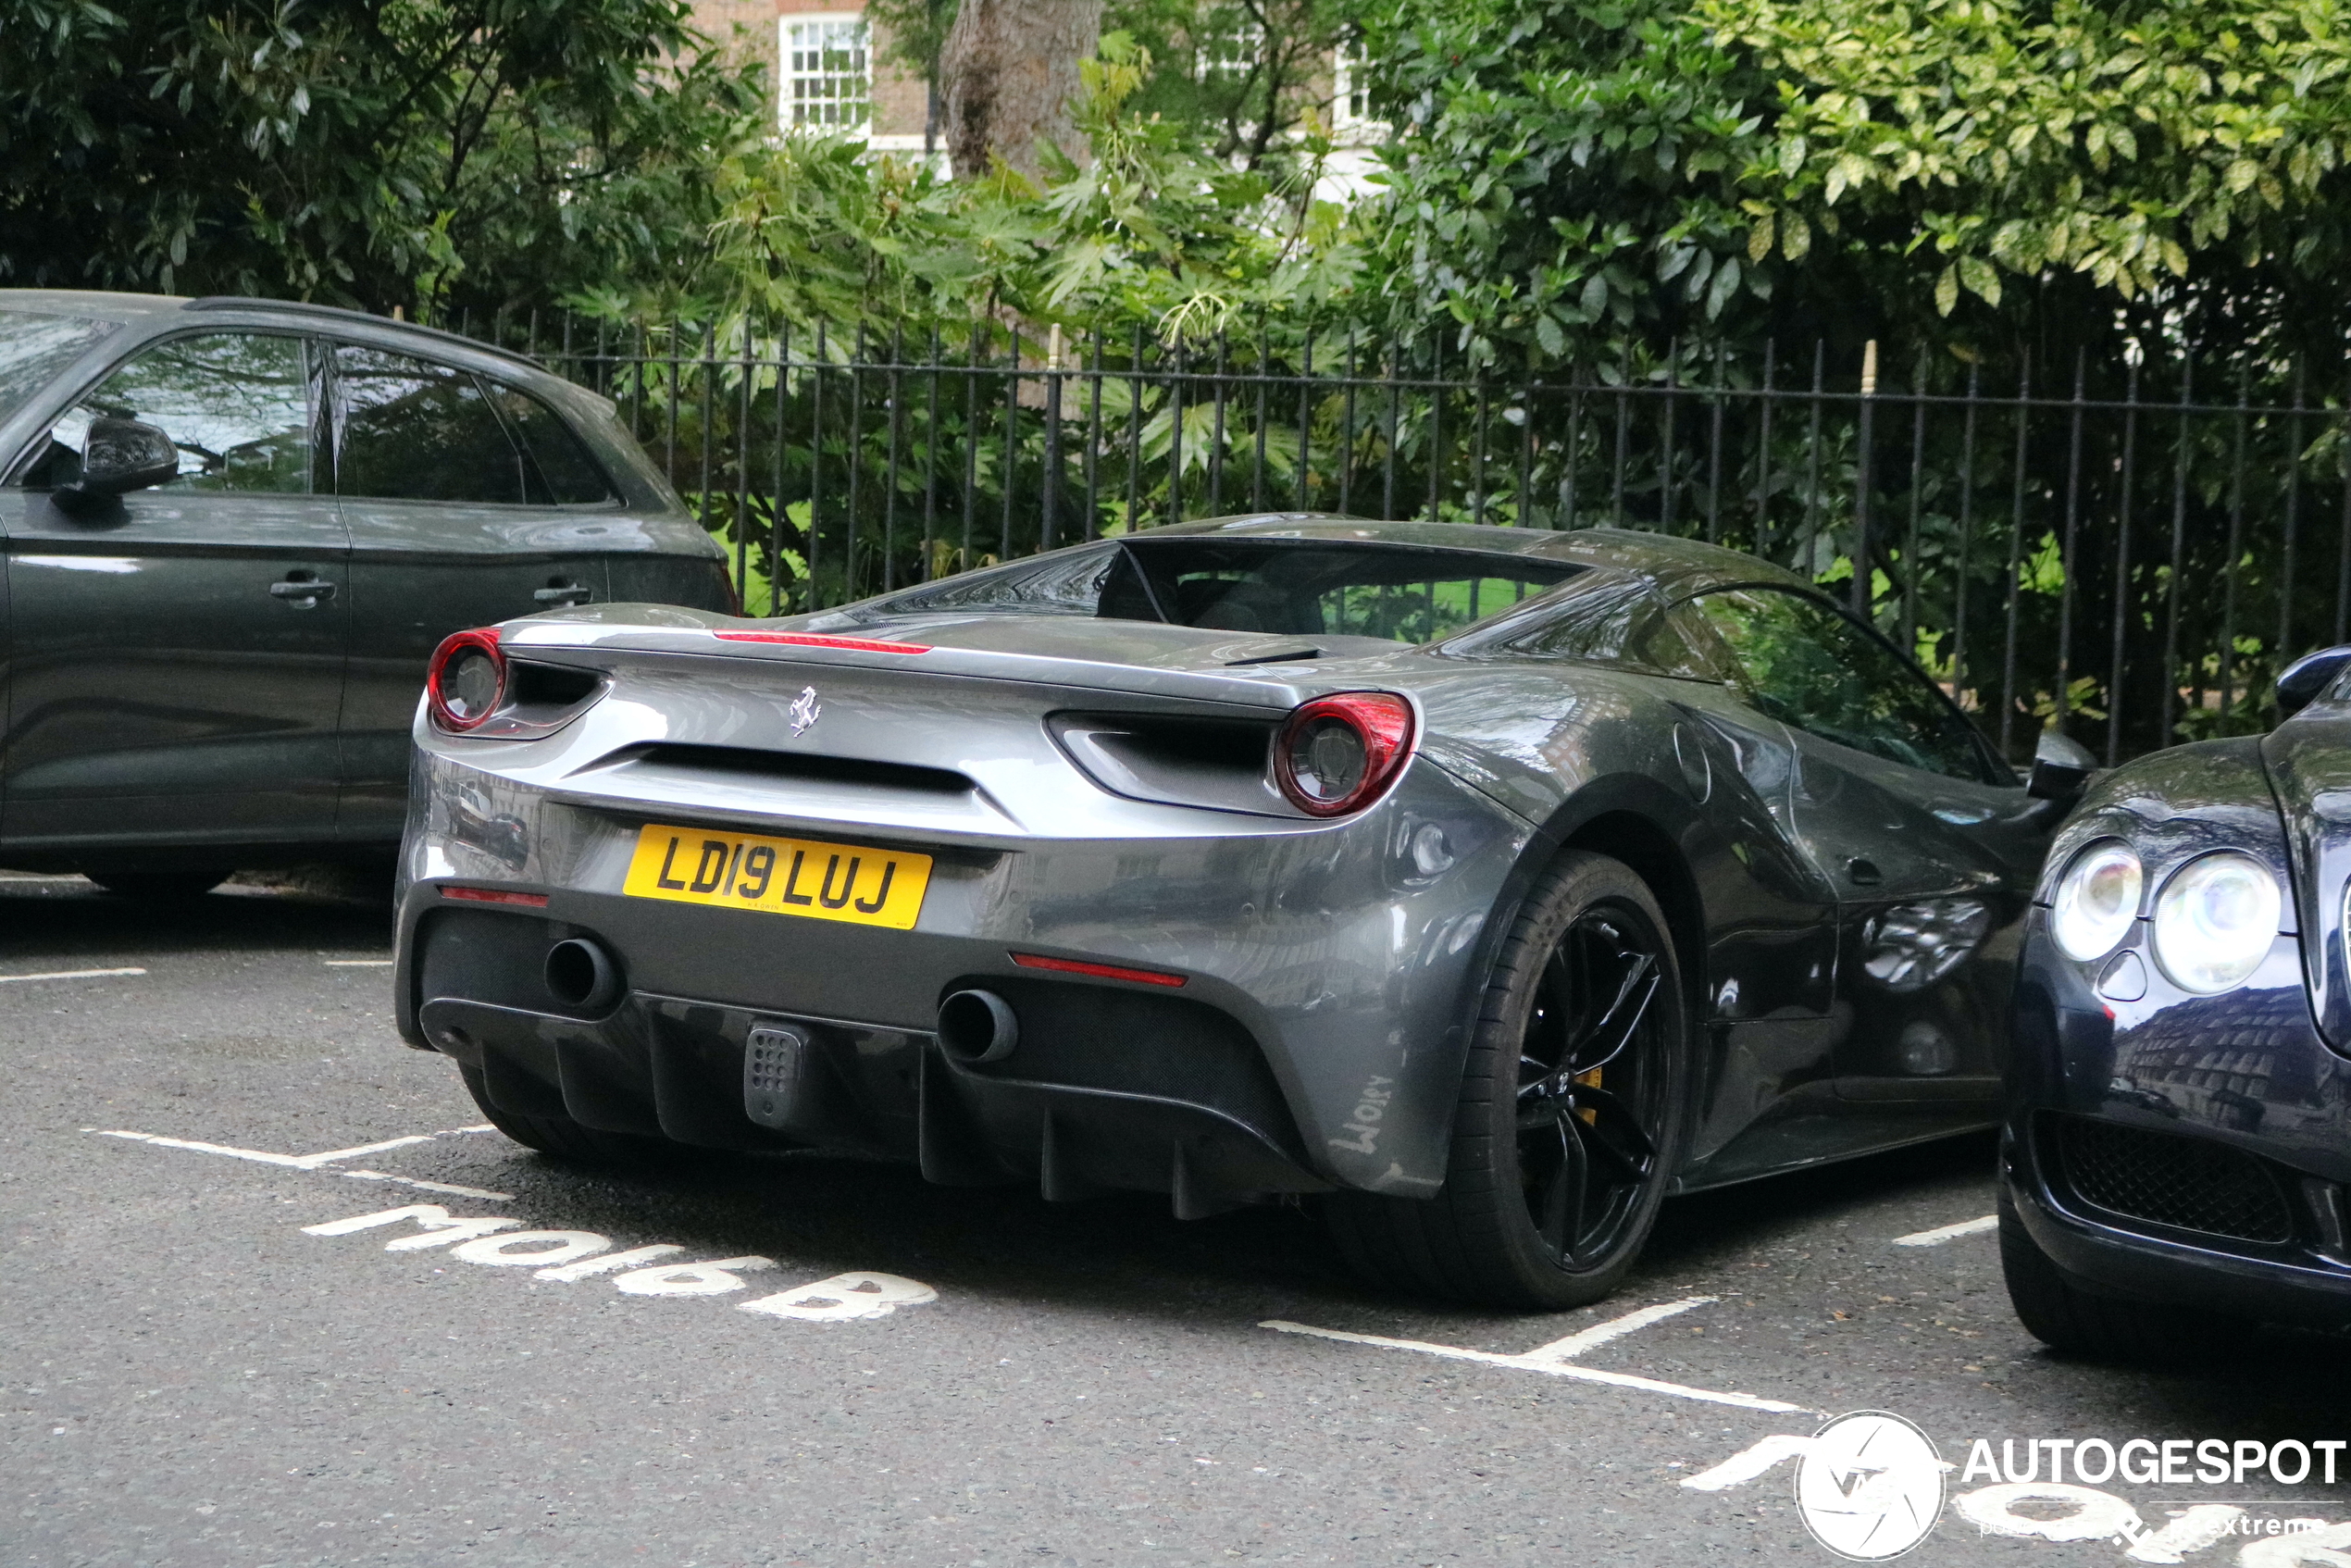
{"x":805,"y":710}
{"x":1870,"y":1486}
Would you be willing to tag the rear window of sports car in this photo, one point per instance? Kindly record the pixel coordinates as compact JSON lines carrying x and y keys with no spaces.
{"x":34,"y":347}
{"x":1292,"y":588}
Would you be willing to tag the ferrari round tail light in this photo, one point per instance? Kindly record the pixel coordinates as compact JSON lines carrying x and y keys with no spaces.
{"x":1338,"y":753}
{"x":467,"y":681}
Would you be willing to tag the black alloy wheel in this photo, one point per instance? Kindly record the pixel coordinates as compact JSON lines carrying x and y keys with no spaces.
{"x":1589,"y":1089}
{"x":1569,"y":1116}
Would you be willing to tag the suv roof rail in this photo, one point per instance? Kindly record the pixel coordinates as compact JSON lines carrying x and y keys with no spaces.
{"x":247,"y":302}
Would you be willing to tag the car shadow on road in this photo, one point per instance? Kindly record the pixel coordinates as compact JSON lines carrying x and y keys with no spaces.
{"x":1954,"y":1173}
{"x":1126,"y":1252}
{"x":1119,"y":1250}
{"x":65,"y":918}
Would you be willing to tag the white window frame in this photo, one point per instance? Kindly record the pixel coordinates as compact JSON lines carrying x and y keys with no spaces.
{"x":826,"y":80}
{"x":1352,"y":123}
{"x":1234,"y":48}
{"x":1351,"y":90}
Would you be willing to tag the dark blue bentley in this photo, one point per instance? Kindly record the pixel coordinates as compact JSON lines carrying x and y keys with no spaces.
{"x":2175,"y":1147}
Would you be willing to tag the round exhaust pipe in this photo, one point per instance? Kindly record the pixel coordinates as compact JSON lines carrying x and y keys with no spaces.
{"x":976,"y":1027}
{"x":580,"y":974}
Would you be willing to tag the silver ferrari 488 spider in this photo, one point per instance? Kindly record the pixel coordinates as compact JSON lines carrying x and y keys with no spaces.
{"x":1489,"y":885}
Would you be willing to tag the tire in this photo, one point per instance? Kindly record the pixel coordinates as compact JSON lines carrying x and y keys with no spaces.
{"x":566,"y":1139}
{"x":159,"y":886}
{"x":1554,"y":1182}
{"x":2065,"y":1318}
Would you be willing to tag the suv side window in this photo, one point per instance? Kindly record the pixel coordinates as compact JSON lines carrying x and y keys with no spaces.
{"x":237,"y":405}
{"x":408,"y":430}
{"x":1806,"y":664}
{"x":560,"y":473}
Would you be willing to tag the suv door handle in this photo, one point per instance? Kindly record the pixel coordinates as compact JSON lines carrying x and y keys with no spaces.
{"x":308,"y":588}
{"x":563,"y":595}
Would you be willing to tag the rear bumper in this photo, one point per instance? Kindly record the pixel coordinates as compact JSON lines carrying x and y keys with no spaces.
{"x":1316,"y":1041}
{"x":2237,"y":1091}
{"x":1113,"y":1087}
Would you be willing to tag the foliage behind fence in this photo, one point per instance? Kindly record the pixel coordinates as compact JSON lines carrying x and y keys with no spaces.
{"x":2125,"y":550}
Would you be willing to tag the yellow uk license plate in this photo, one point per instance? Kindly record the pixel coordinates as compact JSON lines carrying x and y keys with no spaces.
{"x":819,"y":881}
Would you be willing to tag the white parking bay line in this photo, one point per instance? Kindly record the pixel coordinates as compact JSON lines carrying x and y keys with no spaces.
{"x":262,"y":1155}
{"x":423,"y":1185}
{"x":1943,"y":1233}
{"x":312,"y":1162}
{"x":298,"y":1161}
{"x":357,"y":962}
{"x":71,"y":974}
{"x":319,"y":1163}
{"x":1615,"y":1329}
{"x":1550,"y":1360}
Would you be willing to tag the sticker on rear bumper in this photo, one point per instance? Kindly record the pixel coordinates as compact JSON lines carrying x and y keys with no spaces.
{"x":819,"y":881}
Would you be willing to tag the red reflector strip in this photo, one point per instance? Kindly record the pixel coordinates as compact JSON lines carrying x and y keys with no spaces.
{"x":1102,"y":971}
{"x":812,"y":639}
{"x":496,"y":895}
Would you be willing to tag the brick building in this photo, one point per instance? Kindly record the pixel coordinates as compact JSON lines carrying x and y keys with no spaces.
{"x":827,"y":64}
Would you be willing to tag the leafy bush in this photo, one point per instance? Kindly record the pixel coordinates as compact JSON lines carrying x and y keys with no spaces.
{"x":417,"y":152}
{"x":1990,"y":174}
{"x":1155,"y":233}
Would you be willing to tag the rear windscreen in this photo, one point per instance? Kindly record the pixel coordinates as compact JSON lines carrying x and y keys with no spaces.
{"x":1293,"y":588}
{"x":1397,"y":592}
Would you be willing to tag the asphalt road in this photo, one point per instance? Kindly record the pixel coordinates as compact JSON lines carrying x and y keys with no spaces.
{"x":190,"y":1376}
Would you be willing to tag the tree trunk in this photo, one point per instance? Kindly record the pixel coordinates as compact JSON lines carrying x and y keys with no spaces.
{"x":1011,"y":70}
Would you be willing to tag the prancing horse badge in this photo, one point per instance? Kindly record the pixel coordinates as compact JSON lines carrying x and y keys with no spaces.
{"x":805,"y":710}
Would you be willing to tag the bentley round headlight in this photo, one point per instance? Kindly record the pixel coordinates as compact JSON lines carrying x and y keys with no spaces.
{"x":2214,"y":921}
{"x":2097,"y":900}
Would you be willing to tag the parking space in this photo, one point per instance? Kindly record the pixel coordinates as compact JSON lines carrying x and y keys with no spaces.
{"x":274,"y":1295}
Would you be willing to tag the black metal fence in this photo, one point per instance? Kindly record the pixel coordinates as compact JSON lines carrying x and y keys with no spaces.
{"x":2129,"y":550}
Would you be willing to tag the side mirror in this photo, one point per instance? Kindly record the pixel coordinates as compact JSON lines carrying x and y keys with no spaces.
{"x":119,"y":455}
{"x":2307,"y":677}
{"x":2060,"y":767}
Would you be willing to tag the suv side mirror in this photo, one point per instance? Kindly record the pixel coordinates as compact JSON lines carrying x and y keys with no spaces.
{"x":2307,"y":677}
{"x":2060,"y":767}
{"x":119,"y":455}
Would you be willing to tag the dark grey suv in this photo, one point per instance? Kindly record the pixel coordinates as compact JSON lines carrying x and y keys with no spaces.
{"x":235,"y":531}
